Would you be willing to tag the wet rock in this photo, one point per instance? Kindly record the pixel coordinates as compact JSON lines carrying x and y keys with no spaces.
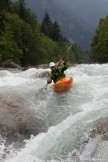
{"x":17,"y":121}
{"x":41,"y":75}
{"x":100,"y":127}
{"x":10,"y":64}
{"x":44,"y":74}
{"x":93,"y":146}
{"x":105,"y":136}
{"x":43,"y":66}
{"x":95,"y":134}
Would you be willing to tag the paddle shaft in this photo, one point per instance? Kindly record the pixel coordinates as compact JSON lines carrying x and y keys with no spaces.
{"x":65,"y":55}
{"x":66,"y":52}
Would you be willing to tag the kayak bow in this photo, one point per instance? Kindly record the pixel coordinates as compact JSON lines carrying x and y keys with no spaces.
{"x":63,"y":84}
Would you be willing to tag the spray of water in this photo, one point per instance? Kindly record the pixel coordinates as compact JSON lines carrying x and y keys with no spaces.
{"x":53,"y":127}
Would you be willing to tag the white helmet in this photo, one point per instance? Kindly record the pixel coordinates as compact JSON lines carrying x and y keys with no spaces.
{"x":51,"y":64}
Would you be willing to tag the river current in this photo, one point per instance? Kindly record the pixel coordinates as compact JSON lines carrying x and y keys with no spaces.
{"x":39,"y":125}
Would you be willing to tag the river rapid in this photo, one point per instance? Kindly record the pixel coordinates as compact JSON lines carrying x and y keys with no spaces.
{"x":39,"y":125}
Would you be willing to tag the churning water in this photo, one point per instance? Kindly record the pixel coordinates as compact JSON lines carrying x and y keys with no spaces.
{"x":43,"y":126}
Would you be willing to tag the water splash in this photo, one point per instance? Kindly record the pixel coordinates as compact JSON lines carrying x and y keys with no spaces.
{"x":65,"y":116}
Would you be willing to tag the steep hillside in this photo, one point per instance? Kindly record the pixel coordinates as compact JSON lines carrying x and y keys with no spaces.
{"x":88,"y":10}
{"x":77,"y":19}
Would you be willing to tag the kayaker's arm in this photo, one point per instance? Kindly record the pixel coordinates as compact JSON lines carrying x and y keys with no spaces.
{"x":63,"y":63}
{"x":49,"y":80}
{"x":64,"y":66}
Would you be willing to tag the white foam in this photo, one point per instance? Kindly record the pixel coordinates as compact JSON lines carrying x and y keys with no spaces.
{"x":71,"y":111}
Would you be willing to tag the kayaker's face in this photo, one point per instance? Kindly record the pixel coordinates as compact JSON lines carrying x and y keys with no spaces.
{"x":53,"y":68}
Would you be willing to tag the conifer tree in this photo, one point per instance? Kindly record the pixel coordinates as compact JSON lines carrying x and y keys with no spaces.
{"x":47,"y":25}
{"x":21,"y":38}
{"x":2,"y":24}
{"x":22,"y":9}
{"x":99,"y":45}
{"x":4,"y":6}
{"x":56,"y":34}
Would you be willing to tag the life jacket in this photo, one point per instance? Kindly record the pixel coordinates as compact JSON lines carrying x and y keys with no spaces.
{"x":57,"y":75}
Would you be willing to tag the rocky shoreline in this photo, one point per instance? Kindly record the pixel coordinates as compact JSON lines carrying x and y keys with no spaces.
{"x":12,"y":66}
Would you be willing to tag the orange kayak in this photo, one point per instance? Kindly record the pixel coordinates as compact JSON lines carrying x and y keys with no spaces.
{"x":63,"y":84}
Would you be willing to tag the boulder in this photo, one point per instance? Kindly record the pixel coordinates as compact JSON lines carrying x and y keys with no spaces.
{"x":43,"y":66}
{"x":10,"y":64}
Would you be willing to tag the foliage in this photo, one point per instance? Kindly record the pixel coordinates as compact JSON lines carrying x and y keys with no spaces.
{"x":5,"y":4}
{"x":9,"y":48}
{"x":79,"y":54}
{"x":52,"y":30}
{"x":26,"y":41}
{"x":2,"y":23}
{"x":99,"y":45}
{"x":47,"y":25}
{"x":56,"y":33}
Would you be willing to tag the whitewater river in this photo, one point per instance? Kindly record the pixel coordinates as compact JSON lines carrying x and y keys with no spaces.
{"x":43,"y":126}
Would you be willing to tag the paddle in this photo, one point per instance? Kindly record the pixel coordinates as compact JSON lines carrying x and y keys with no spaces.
{"x":45,"y":87}
{"x":66,"y":52}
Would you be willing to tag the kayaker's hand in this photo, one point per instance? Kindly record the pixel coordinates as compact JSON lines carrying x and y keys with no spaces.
{"x":49,"y":81}
{"x":61,"y":62}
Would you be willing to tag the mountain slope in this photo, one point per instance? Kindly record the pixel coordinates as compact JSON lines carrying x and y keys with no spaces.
{"x":77,"y":19}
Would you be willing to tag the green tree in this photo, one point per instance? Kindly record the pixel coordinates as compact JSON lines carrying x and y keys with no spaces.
{"x":19,"y":8}
{"x":2,"y":21}
{"x":56,"y":33}
{"x":9,"y":48}
{"x":21,"y":38}
{"x":22,"y":7}
{"x":28,"y":16}
{"x":22,"y":35}
{"x":99,"y":45}
{"x":78,"y":53}
{"x":47,"y":25}
{"x":5,"y":4}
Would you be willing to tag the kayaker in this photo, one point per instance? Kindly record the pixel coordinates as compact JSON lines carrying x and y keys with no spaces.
{"x":57,"y":71}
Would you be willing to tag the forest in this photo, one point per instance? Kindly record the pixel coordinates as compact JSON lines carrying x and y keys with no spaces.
{"x":28,"y":42}
{"x":99,"y":45}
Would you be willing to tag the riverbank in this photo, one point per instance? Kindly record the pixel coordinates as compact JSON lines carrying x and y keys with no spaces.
{"x":12,"y":66}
